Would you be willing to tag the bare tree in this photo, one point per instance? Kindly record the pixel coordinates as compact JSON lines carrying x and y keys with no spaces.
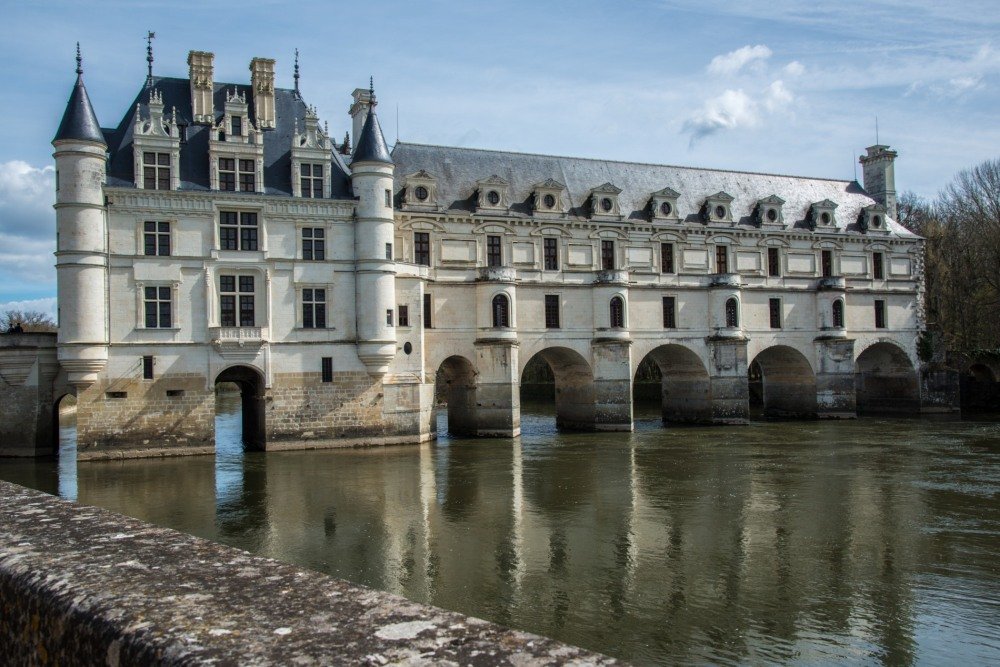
{"x":28,"y":320}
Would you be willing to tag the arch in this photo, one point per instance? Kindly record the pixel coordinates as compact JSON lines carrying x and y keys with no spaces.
{"x":685,"y":387}
{"x":575,"y":395}
{"x":782,"y":382}
{"x":885,"y":380}
{"x":501,"y":311}
{"x":455,"y":384}
{"x":732,"y":312}
{"x":617,"y":312}
{"x":838,"y":313}
{"x":251,"y":384}
{"x":64,"y":425}
{"x":982,"y":373}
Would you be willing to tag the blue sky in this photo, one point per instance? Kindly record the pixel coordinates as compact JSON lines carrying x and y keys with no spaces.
{"x":775,"y":86}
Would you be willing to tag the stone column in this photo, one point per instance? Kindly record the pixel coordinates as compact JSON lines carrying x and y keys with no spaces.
{"x":728,"y":371}
{"x":835,"y":395}
{"x":612,"y":385}
{"x":498,"y":394}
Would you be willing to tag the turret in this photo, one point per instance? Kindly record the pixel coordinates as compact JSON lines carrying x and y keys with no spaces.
{"x":81,"y":254}
{"x":880,"y":176}
{"x":375,"y":286}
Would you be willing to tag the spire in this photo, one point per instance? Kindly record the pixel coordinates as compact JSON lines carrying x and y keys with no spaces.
{"x":371,"y":144}
{"x":149,"y":57}
{"x":79,"y":121}
{"x":296,"y":75}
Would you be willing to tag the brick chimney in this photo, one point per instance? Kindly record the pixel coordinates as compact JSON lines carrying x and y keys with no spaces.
{"x":262,"y":83}
{"x":200,"y":72}
{"x":359,"y":111}
{"x":880,"y":176}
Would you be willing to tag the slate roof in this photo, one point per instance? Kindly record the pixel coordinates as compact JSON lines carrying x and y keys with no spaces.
{"x":458,"y":169}
{"x":79,"y":120}
{"x":194,"y":166}
{"x":371,"y":146}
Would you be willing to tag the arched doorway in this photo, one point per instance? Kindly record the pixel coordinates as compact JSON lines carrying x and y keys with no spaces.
{"x":782,"y":384}
{"x":455,"y":385}
{"x":250,"y":384}
{"x":572,"y":387}
{"x":678,"y":380}
{"x":885,"y":380}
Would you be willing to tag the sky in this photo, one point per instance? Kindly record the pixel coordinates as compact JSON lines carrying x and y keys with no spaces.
{"x":771,"y":86}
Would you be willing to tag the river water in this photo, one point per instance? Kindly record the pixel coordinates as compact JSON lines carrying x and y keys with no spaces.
{"x":868,"y":541}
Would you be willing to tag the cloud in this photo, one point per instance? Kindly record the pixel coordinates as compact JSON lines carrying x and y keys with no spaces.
{"x":776,"y":96}
{"x":26,"y":198}
{"x":46,"y":305}
{"x":732,"y":62}
{"x":734,"y":109}
{"x":794,"y":68}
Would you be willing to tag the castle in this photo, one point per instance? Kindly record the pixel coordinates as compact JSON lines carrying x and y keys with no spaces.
{"x":219,"y":233}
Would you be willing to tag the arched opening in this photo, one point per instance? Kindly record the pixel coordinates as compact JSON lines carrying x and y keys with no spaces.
{"x":782,"y":384}
{"x":838,"y":314}
{"x":617,"y":313}
{"x":249,"y":420}
{"x":64,"y":414}
{"x":980,"y":391}
{"x":455,"y":389}
{"x":501,"y":311}
{"x":732,"y":313}
{"x":885,"y":380}
{"x":982,"y":373}
{"x":571,"y":387}
{"x":674,"y":379}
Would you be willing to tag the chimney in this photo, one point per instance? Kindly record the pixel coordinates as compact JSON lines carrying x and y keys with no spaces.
{"x":359,"y":111}
{"x":262,"y":83}
{"x":200,"y":71}
{"x":880,"y":176}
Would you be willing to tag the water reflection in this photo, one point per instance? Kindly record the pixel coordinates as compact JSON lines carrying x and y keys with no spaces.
{"x":816,"y":542}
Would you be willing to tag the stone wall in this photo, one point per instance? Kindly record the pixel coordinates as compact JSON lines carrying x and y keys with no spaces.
{"x":28,"y":367}
{"x":82,"y":585}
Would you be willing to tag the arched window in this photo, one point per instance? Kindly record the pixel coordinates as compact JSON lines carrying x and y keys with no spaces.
{"x":501,"y":311}
{"x":732,"y":313}
{"x":838,"y":314}
{"x":617,"y":313}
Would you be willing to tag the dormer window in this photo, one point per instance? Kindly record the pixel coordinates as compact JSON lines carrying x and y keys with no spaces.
{"x":236,"y":123}
{"x":872,"y":219}
{"x":310,"y":175}
{"x":156,"y":147}
{"x":493,"y":197}
{"x":768,"y":212}
{"x":236,"y":149}
{"x":548,"y":196}
{"x":822,"y":214}
{"x":233,"y":171}
{"x":716,"y":208}
{"x":420,"y":190}
{"x":604,"y":201}
{"x":663,"y":205}
{"x":493,"y":194}
{"x":311,"y":180}
{"x":155,"y":171}
{"x":421,"y":193}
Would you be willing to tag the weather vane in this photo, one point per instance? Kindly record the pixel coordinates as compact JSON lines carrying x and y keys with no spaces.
{"x":150,"y":35}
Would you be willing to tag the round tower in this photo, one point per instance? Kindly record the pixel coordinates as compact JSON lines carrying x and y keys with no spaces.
{"x":81,"y":254}
{"x":375,"y":279}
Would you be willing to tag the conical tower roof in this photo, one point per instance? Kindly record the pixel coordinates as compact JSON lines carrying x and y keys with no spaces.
{"x":371,"y":145}
{"x":79,"y":122}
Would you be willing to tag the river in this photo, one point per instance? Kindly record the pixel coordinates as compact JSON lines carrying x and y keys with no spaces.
{"x":870,"y":541}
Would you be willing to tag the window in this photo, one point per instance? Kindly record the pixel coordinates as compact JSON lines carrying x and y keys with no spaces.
{"x":494,"y":256}
{"x":422,"y":248}
{"x":551,"y":311}
{"x":156,"y":171}
{"x":314,"y":308}
{"x":311,"y":180}
{"x":246,"y":175}
{"x":421,"y":193}
{"x":404,"y":316}
{"x":237,"y":124}
{"x":607,"y":255}
{"x":147,"y":368}
{"x":227,"y":173}
{"x":550,"y":253}
{"x":669,"y":312}
{"x":721,"y":259}
{"x":427,"y":311}
{"x":838,"y":314}
{"x":388,"y":198}
{"x":617,"y":312}
{"x":157,"y":304}
{"x":388,"y":317}
{"x":313,"y":243}
{"x":879,"y":314}
{"x":388,"y":251}
{"x":878,"y":266}
{"x":237,"y":230}
{"x":666,"y":258}
{"x":732,"y":313}
{"x":493,"y":197}
{"x":156,"y":239}
{"x":827,"y":263}
{"x":326,"y":364}
{"x":773,"y":261}
{"x":774,"y":307}
{"x":236,"y":291}
{"x":501,"y":311}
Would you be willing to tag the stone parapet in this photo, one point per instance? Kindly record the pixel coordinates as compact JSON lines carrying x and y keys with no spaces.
{"x":88,"y":586}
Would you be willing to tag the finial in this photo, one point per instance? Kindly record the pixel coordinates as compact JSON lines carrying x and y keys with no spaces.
{"x":79,"y":60}
{"x":326,"y":127}
{"x":296,"y":76}
{"x":149,"y":56}
{"x":371,"y":91}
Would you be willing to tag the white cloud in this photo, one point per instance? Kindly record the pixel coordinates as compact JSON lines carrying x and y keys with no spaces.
{"x":732,"y":62}
{"x":735,"y":108}
{"x":46,"y":305}
{"x":776,"y":96}
{"x":794,"y":68}
{"x":26,"y":198}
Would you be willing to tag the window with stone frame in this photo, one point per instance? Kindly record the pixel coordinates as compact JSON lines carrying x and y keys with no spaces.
{"x":238,"y":230}
{"x":404,"y":315}
{"x":878,"y":266}
{"x":551,"y":311}
{"x":236,"y":301}
{"x":666,"y":258}
{"x":313,"y":308}
{"x":158,"y":307}
{"x":617,"y":312}
{"x":732,"y":313}
{"x":501,"y":311}
{"x":241,"y":172}
{"x":326,"y":369}
{"x":313,"y":244}
{"x":669,"y":312}
{"x":428,"y":311}
{"x":422,"y":248}
{"x":721,"y":259}
{"x":838,"y":314}
{"x":550,"y":253}
{"x":311,"y":180}
{"x":607,"y":255}
{"x":156,"y":239}
{"x":155,"y":170}
{"x":773,"y":262}
{"x":774,"y":313}
{"x":826,"y":261}
{"x":879,"y":314}
{"x":494,"y":253}
{"x":236,"y":123}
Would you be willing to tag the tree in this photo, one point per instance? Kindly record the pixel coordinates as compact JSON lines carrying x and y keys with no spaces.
{"x":29,"y":320}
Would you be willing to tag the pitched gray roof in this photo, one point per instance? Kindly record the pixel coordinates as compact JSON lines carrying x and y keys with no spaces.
{"x":371,"y":146}
{"x":79,"y":121}
{"x":458,"y":169}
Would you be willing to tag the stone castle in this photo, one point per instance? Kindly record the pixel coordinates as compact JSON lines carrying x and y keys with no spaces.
{"x":219,"y":233}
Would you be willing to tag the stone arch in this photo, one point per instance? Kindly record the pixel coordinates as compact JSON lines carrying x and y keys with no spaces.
{"x":455,"y":383}
{"x":982,"y":373}
{"x":64,"y":423}
{"x":575,"y":394}
{"x":251,"y":383}
{"x":885,"y":380}
{"x":783,"y":383}
{"x":685,"y":386}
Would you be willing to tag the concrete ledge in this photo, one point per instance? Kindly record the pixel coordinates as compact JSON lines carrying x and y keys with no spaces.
{"x":82,"y":585}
